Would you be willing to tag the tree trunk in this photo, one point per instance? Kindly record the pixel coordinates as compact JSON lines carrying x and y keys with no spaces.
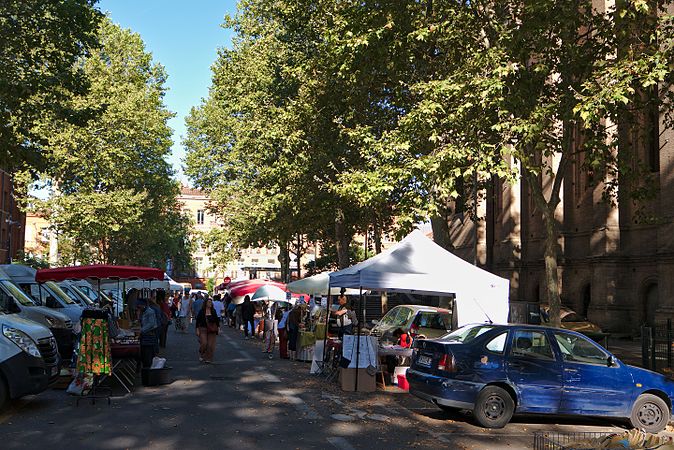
{"x":551,"y":253}
{"x":342,"y":240}
{"x":299,"y":254}
{"x":441,"y":235}
{"x":377,"y":238}
{"x":284,"y":259}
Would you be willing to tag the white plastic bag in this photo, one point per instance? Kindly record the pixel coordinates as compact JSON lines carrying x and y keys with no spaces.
{"x":158,"y":363}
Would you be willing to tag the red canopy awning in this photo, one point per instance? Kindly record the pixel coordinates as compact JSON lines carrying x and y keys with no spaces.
{"x":99,"y":272}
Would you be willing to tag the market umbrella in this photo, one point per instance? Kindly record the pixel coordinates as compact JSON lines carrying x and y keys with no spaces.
{"x":317,"y":285}
{"x":271,"y":293}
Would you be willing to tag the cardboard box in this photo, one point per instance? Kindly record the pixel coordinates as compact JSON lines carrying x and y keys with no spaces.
{"x":366,"y":382}
{"x":124,"y":324}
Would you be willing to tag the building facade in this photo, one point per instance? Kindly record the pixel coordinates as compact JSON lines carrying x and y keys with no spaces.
{"x":260,"y":262}
{"x":614,"y":267}
{"x":12,"y":221}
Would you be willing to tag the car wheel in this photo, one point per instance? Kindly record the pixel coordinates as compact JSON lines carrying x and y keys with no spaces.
{"x":650,"y":413}
{"x":494,"y":407}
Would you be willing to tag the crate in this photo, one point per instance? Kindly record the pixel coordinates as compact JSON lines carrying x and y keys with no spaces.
{"x":156,"y":377}
{"x":550,"y":440}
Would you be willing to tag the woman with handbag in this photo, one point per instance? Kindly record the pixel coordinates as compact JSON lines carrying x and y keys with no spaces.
{"x":208,"y":325}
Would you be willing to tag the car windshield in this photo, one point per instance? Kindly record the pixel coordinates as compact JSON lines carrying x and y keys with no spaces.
{"x":467,"y":333}
{"x":434,"y":320}
{"x":58,"y":291}
{"x":390,"y":317}
{"x":17,"y":293}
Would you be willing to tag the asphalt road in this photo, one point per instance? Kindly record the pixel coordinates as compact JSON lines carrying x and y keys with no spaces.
{"x":246,"y":401}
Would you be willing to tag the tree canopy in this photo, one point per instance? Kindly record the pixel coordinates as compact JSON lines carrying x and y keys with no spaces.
{"x":114,"y":192}
{"x":40,"y":43}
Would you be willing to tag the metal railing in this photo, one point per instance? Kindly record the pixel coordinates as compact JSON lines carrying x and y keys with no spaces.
{"x":656,"y":346}
{"x":550,"y":440}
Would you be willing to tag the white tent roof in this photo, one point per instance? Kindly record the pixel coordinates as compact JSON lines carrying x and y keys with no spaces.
{"x":317,"y":285}
{"x":418,"y":265}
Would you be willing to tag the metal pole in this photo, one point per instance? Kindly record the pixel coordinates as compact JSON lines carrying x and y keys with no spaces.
{"x":358,"y":340}
{"x":327,"y":321}
{"x":669,"y":343}
{"x":653,"y":348}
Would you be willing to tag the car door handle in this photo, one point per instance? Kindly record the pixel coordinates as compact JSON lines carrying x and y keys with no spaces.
{"x":567,"y":370}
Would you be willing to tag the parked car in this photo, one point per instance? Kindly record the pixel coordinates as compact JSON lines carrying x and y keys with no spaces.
{"x":14,"y":300}
{"x":47,"y":294}
{"x":571,"y":320}
{"x":419,"y":321}
{"x":498,"y":370}
{"x":29,"y":359}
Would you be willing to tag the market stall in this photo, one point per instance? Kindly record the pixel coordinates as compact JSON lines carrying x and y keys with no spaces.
{"x":122,"y":345}
{"x":416,"y":265}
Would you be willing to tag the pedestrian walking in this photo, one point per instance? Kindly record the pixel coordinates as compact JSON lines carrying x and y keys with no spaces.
{"x":218,"y":305}
{"x":166,"y":320}
{"x":248,"y":316}
{"x":282,"y":317}
{"x":197,"y":304}
{"x":293,"y":327}
{"x":185,"y":308}
{"x":270,"y":327}
{"x":208,"y":326}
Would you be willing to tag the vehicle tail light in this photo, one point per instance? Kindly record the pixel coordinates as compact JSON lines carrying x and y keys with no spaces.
{"x":446,"y":363}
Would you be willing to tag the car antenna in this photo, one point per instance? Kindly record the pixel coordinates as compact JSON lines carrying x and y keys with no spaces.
{"x":491,"y":322}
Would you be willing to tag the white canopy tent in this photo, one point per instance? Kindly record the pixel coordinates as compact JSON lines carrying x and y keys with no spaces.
{"x":417,"y":265}
{"x":317,"y":285}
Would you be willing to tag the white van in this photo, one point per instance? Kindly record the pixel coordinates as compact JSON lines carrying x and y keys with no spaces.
{"x":47,"y":294}
{"x":29,"y":359}
{"x":14,"y":300}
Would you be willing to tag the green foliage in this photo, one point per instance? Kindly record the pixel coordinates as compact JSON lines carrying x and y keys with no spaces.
{"x":114,"y":197}
{"x":41,"y":42}
{"x":35,"y":262}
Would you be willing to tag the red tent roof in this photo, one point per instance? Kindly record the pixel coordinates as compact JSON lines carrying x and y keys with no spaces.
{"x":99,"y":272}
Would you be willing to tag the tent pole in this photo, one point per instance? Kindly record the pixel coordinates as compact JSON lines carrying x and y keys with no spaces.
{"x":327,"y":321}
{"x":358,"y":339}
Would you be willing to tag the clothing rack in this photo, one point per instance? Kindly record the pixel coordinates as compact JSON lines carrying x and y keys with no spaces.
{"x":95,"y":357}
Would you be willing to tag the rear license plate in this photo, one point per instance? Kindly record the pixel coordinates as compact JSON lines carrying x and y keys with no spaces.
{"x":424,"y":361}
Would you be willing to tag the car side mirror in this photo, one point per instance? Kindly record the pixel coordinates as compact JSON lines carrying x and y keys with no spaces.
{"x":375,"y":322}
{"x":610,"y":361}
{"x":51,"y":302}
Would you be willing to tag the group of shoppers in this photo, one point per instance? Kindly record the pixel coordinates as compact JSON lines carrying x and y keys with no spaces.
{"x":208,"y":313}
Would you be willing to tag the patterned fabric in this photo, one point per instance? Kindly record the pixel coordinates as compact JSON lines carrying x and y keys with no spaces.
{"x":94,"y":347}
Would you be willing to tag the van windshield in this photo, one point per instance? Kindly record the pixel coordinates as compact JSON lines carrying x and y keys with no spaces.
{"x":17,"y":293}
{"x":55,"y":288}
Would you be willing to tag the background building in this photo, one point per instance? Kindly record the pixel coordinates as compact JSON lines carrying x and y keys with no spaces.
{"x":12,"y":221}
{"x":614,"y":268}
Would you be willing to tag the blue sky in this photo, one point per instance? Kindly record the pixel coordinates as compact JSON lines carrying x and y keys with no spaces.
{"x":184,"y":37}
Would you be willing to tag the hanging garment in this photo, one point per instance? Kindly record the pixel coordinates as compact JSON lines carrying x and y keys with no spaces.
{"x":94,"y":356}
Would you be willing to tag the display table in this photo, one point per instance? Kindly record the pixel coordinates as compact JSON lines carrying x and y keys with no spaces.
{"x":319,"y":332}
{"x":125,"y":362}
{"x":305,"y":345}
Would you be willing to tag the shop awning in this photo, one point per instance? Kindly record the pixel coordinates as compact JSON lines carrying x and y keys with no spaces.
{"x":102,"y":272}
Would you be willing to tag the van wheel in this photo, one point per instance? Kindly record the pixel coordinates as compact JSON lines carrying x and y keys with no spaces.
{"x":494,"y":407}
{"x":4,"y":394}
{"x":650,"y":413}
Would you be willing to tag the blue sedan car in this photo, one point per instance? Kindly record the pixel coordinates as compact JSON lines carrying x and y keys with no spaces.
{"x":499,"y":370}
